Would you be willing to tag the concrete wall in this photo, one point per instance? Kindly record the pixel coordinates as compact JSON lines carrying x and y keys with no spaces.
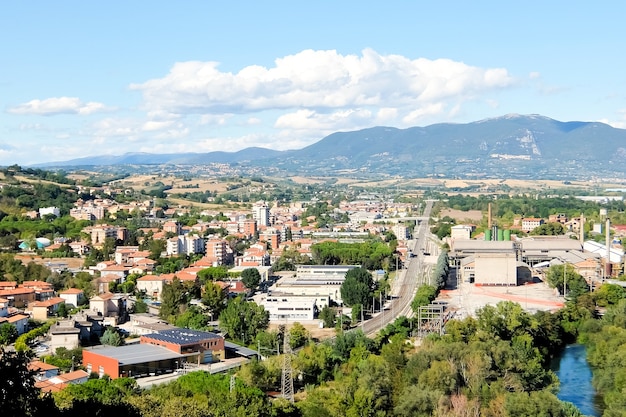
{"x":495,"y":269}
{"x":95,"y":361}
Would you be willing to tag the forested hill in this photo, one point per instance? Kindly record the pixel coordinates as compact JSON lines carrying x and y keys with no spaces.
{"x":512,"y":146}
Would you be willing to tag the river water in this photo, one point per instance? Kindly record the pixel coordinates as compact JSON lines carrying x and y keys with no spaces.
{"x":575,"y":376}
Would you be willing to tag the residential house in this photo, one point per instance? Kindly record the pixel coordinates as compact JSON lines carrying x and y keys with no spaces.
{"x":110,"y":306}
{"x":42,"y":370}
{"x":61,"y":381}
{"x":124,"y":253}
{"x":64,"y":334}
{"x":18,"y":297}
{"x":151,"y":285}
{"x":43,"y":290}
{"x":72,"y":296}
{"x":256,"y":255}
{"x":44,"y":309}
{"x":531,"y":223}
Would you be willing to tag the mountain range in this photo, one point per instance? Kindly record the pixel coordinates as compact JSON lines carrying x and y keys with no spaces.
{"x":511,"y":146}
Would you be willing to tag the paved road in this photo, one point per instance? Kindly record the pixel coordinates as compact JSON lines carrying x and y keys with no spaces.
{"x":404,"y":287}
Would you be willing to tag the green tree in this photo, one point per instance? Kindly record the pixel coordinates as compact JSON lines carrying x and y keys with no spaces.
{"x":214,"y":297}
{"x":298,"y":335}
{"x":111,"y":337}
{"x":242,"y":320}
{"x":65,"y":359}
{"x":213,"y":273}
{"x":140,"y":306}
{"x":250,"y":278}
{"x":609,"y":294}
{"x":62,"y":311}
{"x":328,"y":317}
{"x":8,"y":333}
{"x":173,"y":297}
{"x":548,"y":229}
{"x":357,"y":288}
{"x":193,"y":318}
{"x":18,"y":394}
{"x":574,"y":282}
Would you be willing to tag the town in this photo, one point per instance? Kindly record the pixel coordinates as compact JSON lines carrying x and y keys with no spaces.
{"x":140,"y":287}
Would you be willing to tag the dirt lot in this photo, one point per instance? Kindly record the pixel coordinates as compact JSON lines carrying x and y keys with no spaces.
{"x":470,"y":297}
{"x":71,"y":262}
{"x":311,"y":326}
{"x":472,"y":215}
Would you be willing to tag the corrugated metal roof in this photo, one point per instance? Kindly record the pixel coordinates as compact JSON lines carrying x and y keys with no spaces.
{"x":551,"y":244}
{"x":240,"y":350}
{"x":138,"y":353}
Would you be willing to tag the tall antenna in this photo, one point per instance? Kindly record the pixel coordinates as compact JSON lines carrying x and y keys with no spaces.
{"x":287,"y":377}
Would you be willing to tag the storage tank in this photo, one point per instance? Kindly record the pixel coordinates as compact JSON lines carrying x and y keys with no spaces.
{"x":500,"y":234}
{"x":507,"y":235}
{"x":487,"y":234}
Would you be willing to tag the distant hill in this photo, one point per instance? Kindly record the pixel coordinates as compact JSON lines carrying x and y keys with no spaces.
{"x":511,"y":146}
{"x":142,"y":158}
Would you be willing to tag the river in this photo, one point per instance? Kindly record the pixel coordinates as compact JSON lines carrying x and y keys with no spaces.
{"x":575,"y":376}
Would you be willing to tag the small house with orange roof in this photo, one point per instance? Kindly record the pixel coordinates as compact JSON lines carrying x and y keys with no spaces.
{"x":42,"y":370}
{"x":72,"y":296}
{"x":44,"y":309}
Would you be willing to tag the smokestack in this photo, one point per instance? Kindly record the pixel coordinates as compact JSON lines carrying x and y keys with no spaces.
{"x":608,"y":246}
{"x":489,"y":217}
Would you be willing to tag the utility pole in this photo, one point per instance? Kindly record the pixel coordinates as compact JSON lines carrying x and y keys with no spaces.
{"x":564,"y":281}
{"x":287,"y":374}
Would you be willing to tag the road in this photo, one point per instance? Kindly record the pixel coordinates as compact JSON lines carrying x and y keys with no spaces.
{"x":403,"y":289}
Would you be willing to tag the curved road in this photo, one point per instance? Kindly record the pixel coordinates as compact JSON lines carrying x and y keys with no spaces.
{"x":405,"y":286}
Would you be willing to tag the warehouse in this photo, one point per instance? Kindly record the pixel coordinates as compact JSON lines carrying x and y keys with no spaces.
{"x":131,"y":360}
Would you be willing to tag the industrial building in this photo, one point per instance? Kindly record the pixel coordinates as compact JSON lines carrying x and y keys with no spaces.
{"x":492,"y":262}
{"x":130,"y":360}
{"x":159,"y":352}
{"x":282,"y":306}
{"x":204,"y":347}
{"x":501,"y":269}
{"x":315,"y":281}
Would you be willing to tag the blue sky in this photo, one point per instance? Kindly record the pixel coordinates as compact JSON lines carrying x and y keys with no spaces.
{"x":84,"y":78}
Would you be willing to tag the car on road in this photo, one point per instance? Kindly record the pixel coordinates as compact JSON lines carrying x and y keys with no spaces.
{"x":41,"y":348}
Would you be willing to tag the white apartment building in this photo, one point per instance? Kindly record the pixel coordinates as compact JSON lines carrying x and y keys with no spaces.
{"x":184,"y":244}
{"x":49,"y":210}
{"x":261,"y":213}
{"x":401,"y":231}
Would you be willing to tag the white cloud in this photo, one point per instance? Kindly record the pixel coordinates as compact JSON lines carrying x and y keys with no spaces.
{"x":58,"y":105}
{"x":253,"y":121}
{"x":386,"y":114}
{"x":317,"y":80}
{"x":619,"y":124}
{"x":152,"y":125}
{"x":114,"y":127}
{"x":174,"y":133}
{"x":301,"y":98}
{"x":311,"y":120}
{"x":534,"y":75}
{"x":217,"y":120}
{"x":417,"y":115}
